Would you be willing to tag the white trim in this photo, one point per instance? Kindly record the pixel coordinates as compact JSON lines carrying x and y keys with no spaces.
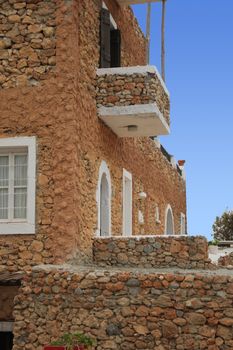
{"x":21,"y":227}
{"x":113,"y":22}
{"x":173,"y":162}
{"x":103,"y":169}
{"x":182,"y":229}
{"x":157,"y":142}
{"x":133,"y":70}
{"x":169,"y":208}
{"x":127,"y":176}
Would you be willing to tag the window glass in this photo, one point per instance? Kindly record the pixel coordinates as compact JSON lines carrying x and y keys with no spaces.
{"x":4,"y":181}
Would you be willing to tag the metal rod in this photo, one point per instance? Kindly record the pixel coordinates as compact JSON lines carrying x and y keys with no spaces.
{"x":148,"y":27}
{"x":163,"y":40}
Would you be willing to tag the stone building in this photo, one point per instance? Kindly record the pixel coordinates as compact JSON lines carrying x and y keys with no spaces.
{"x":80,"y":110}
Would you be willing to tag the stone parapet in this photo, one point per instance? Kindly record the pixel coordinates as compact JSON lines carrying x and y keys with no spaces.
{"x":226,"y":260}
{"x":129,"y":86}
{"x":152,"y":251}
{"x":129,"y":309}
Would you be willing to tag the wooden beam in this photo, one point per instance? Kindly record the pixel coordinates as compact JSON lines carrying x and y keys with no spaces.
{"x":135,"y":2}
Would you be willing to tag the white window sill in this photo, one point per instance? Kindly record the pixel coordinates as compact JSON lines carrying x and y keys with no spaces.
{"x":17,"y":228}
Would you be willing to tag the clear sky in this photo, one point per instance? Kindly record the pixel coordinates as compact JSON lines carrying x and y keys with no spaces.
{"x":199,"y":76}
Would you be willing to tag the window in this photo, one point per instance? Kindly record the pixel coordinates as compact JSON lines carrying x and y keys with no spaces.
{"x":110,"y":40}
{"x":182,"y":224}
{"x":103,"y":198}
{"x":157,"y":216}
{"x":169,"y":221}
{"x":127,"y":203}
{"x":17,"y":185}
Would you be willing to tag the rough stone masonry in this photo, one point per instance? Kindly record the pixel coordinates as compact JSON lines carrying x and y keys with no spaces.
{"x":152,"y":251}
{"x":126,"y":308}
{"x":27,"y":41}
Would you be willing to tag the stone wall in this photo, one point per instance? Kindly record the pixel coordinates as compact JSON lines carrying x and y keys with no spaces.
{"x":72,"y":141}
{"x":127,"y":309}
{"x":151,"y":172}
{"x":226,"y":260}
{"x":152,"y":251}
{"x":46,"y":111}
{"x":132,"y":86}
{"x":23,"y":252}
{"x":27,"y":41}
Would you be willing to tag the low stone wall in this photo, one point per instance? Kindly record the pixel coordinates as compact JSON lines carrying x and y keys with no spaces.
{"x":126,"y":309}
{"x":27,"y":41}
{"x":226,"y":260}
{"x":132,"y":86}
{"x":22,"y":252}
{"x":152,"y":251}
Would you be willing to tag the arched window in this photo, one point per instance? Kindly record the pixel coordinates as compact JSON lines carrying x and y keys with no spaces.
{"x":169,"y":221}
{"x":103,"y":198}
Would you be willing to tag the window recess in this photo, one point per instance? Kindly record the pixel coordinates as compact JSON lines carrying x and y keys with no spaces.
{"x":110,"y":41}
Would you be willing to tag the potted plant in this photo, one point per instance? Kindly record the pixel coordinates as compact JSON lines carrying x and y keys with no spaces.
{"x":213,"y":246}
{"x":71,"y":341}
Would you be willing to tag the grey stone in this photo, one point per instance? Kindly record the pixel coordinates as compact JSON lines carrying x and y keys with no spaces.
{"x":148,"y":249}
{"x":133,"y":282}
{"x":113,"y":329}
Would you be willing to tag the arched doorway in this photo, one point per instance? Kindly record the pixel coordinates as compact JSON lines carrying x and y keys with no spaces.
{"x":169,"y":221}
{"x":103,"y":198}
{"x":104,"y":206}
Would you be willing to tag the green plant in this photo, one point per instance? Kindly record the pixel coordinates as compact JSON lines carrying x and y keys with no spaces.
{"x":70,"y":340}
{"x":213,"y":242}
{"x":223,"y":226}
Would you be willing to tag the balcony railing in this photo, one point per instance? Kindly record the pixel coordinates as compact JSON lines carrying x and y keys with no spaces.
{"x":171,"y":160}
{"x":165,"y":153}
{"x":133,"y":101}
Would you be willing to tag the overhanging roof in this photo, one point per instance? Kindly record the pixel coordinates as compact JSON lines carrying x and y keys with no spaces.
{"x":134,"y":2}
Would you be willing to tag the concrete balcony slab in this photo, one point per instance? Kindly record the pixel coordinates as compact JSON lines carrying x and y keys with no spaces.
{"x":133,"y":101}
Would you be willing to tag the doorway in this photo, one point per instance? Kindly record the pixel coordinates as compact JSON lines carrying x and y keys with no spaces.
{"x":6,"y":340}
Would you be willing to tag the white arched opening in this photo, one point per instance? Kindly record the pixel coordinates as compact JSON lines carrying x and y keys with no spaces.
{"x":169,"y":221}
{"x":103,"y":199}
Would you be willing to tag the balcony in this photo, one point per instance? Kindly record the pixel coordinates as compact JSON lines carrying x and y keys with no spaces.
{"x":133,"y":101}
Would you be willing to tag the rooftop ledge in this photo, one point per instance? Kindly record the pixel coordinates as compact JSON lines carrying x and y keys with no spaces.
{"x":133,"y":101}
{"x":134,"y":2}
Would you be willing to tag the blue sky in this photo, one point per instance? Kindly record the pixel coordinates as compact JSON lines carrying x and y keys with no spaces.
{"x":199,"y":76}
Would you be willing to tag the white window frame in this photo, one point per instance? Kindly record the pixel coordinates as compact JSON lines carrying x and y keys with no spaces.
{"x":15,"y":145}
{"x":103,"y":169}
{"x":127,"y":177}
{"x":182,"y":224}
